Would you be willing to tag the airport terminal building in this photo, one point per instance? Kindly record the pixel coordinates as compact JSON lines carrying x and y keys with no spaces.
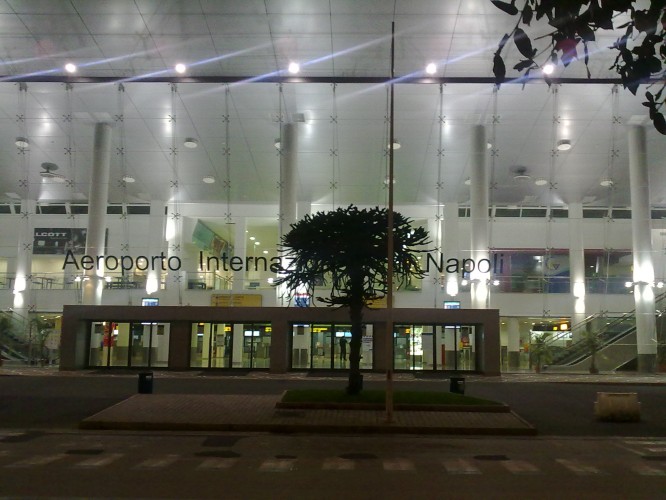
{"x":154,"y":155}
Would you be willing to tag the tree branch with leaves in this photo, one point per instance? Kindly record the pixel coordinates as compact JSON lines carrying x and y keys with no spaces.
{"x":641,"y":49}
{"x":346,"y":250}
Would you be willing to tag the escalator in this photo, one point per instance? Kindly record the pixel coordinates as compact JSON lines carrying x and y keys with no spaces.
{"x":617,"y":343}
{"x":12,"y":347}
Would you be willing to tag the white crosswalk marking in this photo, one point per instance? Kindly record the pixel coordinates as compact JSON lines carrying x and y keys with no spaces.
{"x":37,"y":460}
{"x":578,"y":468}
{"x":398,"y":464}
{"x":217,"y":463}
{"x":657,"y":450}
{"x":158,"y":462}
{"x":99,"y":461}
{"x":460,"y":466}
{"x":338,"y":463}
{"x":646,"y":470}
{"x":520,"y":467}
{"x":278,"y":465}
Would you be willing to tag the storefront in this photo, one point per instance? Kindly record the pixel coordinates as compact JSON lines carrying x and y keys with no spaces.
{"x":277,"y":339}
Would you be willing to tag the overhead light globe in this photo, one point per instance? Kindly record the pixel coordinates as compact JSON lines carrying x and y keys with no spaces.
{"x":540,"y":181}
{"x":294,"y":68}
{"x":396,"y":145}
{"x":277,"y":143}
{"x":431,"y":69}
{"x":209,"y":179}
{"x":606,"y":182}
{"x":180,"y":68}
{"x":563,"y":145}
{"x":468,"y":181}
{"x":129,"y":179}
{"x":22,"y":142}
{"x":70,"y":67}
{"x":191,"y":143}
{"x":548,"y":68}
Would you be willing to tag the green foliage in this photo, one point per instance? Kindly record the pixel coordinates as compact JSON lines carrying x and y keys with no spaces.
{"x":347,"y":249}
{"x":541,"y":350}
{"x":641,"y":49}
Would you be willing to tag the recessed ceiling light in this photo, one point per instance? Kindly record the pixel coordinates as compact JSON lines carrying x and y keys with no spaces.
{"x":396,"y":144}
{"x":180,"y":68}
{"x":564,"y":145}
{"x":294,"y":68}
{"x":606,"y":182}
{"x":70,"y":68}
{"x":22,"y":142}
{"x":128,"y":179}
{"x":209,"y":179}
{"x":431,"y":68}
{"x":548,"y":68}
{"x":191,"y":143}
{"x":541,"y":181}
{"x":277,"y":143}
{"x":489,"y":145}
{"x":468,"y":181}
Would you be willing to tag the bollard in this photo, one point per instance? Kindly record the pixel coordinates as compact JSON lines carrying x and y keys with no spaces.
{"x":457,"y":385}
{"x":146,"y":383}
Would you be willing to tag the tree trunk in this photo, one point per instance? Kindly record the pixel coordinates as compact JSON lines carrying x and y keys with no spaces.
{"x":355,"y":384}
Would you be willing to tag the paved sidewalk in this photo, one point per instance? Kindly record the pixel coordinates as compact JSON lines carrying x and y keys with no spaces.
{"x":211,"y":412}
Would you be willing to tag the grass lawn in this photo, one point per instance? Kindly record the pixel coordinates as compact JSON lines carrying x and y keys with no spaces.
{"x":379,"y":397}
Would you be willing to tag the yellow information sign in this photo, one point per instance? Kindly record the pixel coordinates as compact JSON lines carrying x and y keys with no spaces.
{"x":236,"y":300}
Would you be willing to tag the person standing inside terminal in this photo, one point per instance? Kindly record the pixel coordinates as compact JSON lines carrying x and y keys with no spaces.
{"x":343,"y":349}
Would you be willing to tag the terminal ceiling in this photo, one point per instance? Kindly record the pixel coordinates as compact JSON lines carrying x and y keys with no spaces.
{"x":237,"y":53}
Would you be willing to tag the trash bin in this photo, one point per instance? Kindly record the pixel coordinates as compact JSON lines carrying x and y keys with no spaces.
{"x":146,"y":383}
{"x":457,"y":385}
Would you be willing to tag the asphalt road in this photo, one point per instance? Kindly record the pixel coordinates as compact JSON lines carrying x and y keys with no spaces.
{"x":557,"y":409}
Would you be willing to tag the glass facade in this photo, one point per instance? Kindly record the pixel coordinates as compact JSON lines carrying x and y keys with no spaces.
{"x":327,"y":346}
{"x":230,"y":345}
{"x":430,"y":347}
{"x":121,"y":344}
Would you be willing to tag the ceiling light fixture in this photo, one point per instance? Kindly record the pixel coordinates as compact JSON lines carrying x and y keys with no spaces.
{"x":128,"y":179}
{"x":70,"y":68}
{"x":209,"y":179}
{"x":396,"y":144}
{"x":431,"y":68}
{"x":548,"y":68}
{"x":563,"y":145}
{"x":468,"y":181}
{"x":541,"y":181}
{"x":22,"y":142}
{"x":180,"y":68}
{"x":277,"y":143}
{"x":191,"y":143}
{"x":294,"y":68}
{"x":606,"y":183}
{"x":489,"y":145}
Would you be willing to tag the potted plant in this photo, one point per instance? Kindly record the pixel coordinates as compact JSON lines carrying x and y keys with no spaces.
{"x":541,"y":351}
{"x":592,"y":342}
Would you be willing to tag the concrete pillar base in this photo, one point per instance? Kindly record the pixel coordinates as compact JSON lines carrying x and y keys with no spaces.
{"x":647,"y":363}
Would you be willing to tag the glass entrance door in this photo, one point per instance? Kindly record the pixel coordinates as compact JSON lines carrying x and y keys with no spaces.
{"x":256,"y":345}
{"x":413,"y":347}
{"x":221,"y":346}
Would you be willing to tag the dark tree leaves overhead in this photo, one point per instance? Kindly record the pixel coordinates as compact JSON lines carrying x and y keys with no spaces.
{"x":641,"y":49}
{"x":346,"y":249}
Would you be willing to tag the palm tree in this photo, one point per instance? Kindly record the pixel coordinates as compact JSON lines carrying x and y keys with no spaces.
{"x":346,"y":249}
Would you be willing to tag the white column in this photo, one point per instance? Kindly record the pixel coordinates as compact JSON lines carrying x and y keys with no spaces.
{"x":642,"y":251}
{"x":479,"y":214}
{"x":577,"y":263}
{"x":98,"y":197}
{"x":288,"y":176}
{"x":156,"y":245}
{"x":450,"y":246}
{"x":240,"y":239}
{"x":23,"y":262}
{"x":513,"y":343}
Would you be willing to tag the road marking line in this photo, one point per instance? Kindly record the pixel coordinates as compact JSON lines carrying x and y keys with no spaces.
{"x":642,"y":442}
{"x":278,"y":465}
{"x":657,"y":450}
{"x":338,"y":463}
{"x":398,"y":464}
{"x":217,"y":463}
{"x":37,"y":460}
{"x":156,"y":463}
{"x":646,"y":470}
{"x":578,"y":468}
{"x":99,"y":461}
{"x":520,"y":467}
{"x":460,"y":466}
